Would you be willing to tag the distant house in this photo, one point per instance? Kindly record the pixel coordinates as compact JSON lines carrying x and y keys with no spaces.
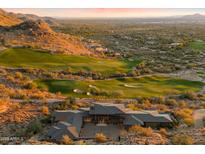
{"x":108,"y":118}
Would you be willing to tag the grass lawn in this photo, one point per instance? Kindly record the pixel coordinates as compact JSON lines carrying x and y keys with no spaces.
{"x":200,"y":45}
{"x":123,"y":87}
{"x":29,"y":58}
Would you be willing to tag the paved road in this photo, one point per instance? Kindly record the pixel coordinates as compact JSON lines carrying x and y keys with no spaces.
{"x":198,"y":117}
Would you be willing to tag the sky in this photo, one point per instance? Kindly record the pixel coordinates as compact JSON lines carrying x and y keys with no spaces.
{"x":108,"y":12}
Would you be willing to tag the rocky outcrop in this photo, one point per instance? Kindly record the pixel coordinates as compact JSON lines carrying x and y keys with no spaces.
{"x":49,"y":20}
{"x":32,"y":27}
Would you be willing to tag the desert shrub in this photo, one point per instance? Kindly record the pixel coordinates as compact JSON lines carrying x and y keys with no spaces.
{"x":202,"y":104}
{"x":189,"y":121}
{"x":171,"y":102}
{"x":66,"y":140}
{"x":100,"y":138}
{"x":141,"y":65}
{"x":147,"y":132}
{"x":181,"y":139}
{"x":145,"y":101}
{"x":38,"y":95}
{"x":19,"y":95}
{"x":30,"y":70}
{"x":141,"y":130}
{"x":10,"y":78}
{"x":162,"y":107}
{"x":69,"y":70}
{"x":182,"y":104}
{"x":146,"y":105}
{"x":3,"y":101}
{"x":45,"y":110}
{"x":189,"y":95}
{"x":51,"y":75}
{"x":18,"y":75}
{"x":74,"y":107}
{"x":47,"y":119}
{"x":135,"y":73}
{"x":183,"y":113}
{"x":132,"y":106}
{"x":163,"y":132}
{"x":186,"y":116}
{"x":123,"y":133}
{"x":2,"y":86}
{"x":135,"y":128}
{"x":34,"y":128}
{"x":30,"y":85}
{"x":58,"y":93}
{"x":161,"y":100}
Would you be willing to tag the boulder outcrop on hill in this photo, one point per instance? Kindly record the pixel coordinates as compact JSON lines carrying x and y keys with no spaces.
{"x":49,"y":20}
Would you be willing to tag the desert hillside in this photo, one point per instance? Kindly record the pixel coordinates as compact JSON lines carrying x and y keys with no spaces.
{"x":37,"y":34}
{"x":7,"y":19}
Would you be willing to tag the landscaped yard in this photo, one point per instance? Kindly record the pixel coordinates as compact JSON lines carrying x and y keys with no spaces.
{"x":29,"y":58}
{"x":122,"y":87}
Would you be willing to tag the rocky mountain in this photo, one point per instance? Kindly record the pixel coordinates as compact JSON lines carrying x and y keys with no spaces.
{"x":18,"y":30}
{"x":39,"y":35}
{"x":29,"y":26}
{"x":7,"y":19}
{"x":195,"y":17}
{"x":49,"y":20}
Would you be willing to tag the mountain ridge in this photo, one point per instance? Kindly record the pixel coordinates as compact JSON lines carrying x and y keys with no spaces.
{"x":196,"y":16}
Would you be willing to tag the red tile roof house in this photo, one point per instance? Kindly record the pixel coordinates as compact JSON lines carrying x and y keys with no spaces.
{"x":107,"y":118}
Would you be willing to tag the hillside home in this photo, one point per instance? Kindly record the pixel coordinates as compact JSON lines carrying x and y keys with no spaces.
{"x":107,"y":118}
